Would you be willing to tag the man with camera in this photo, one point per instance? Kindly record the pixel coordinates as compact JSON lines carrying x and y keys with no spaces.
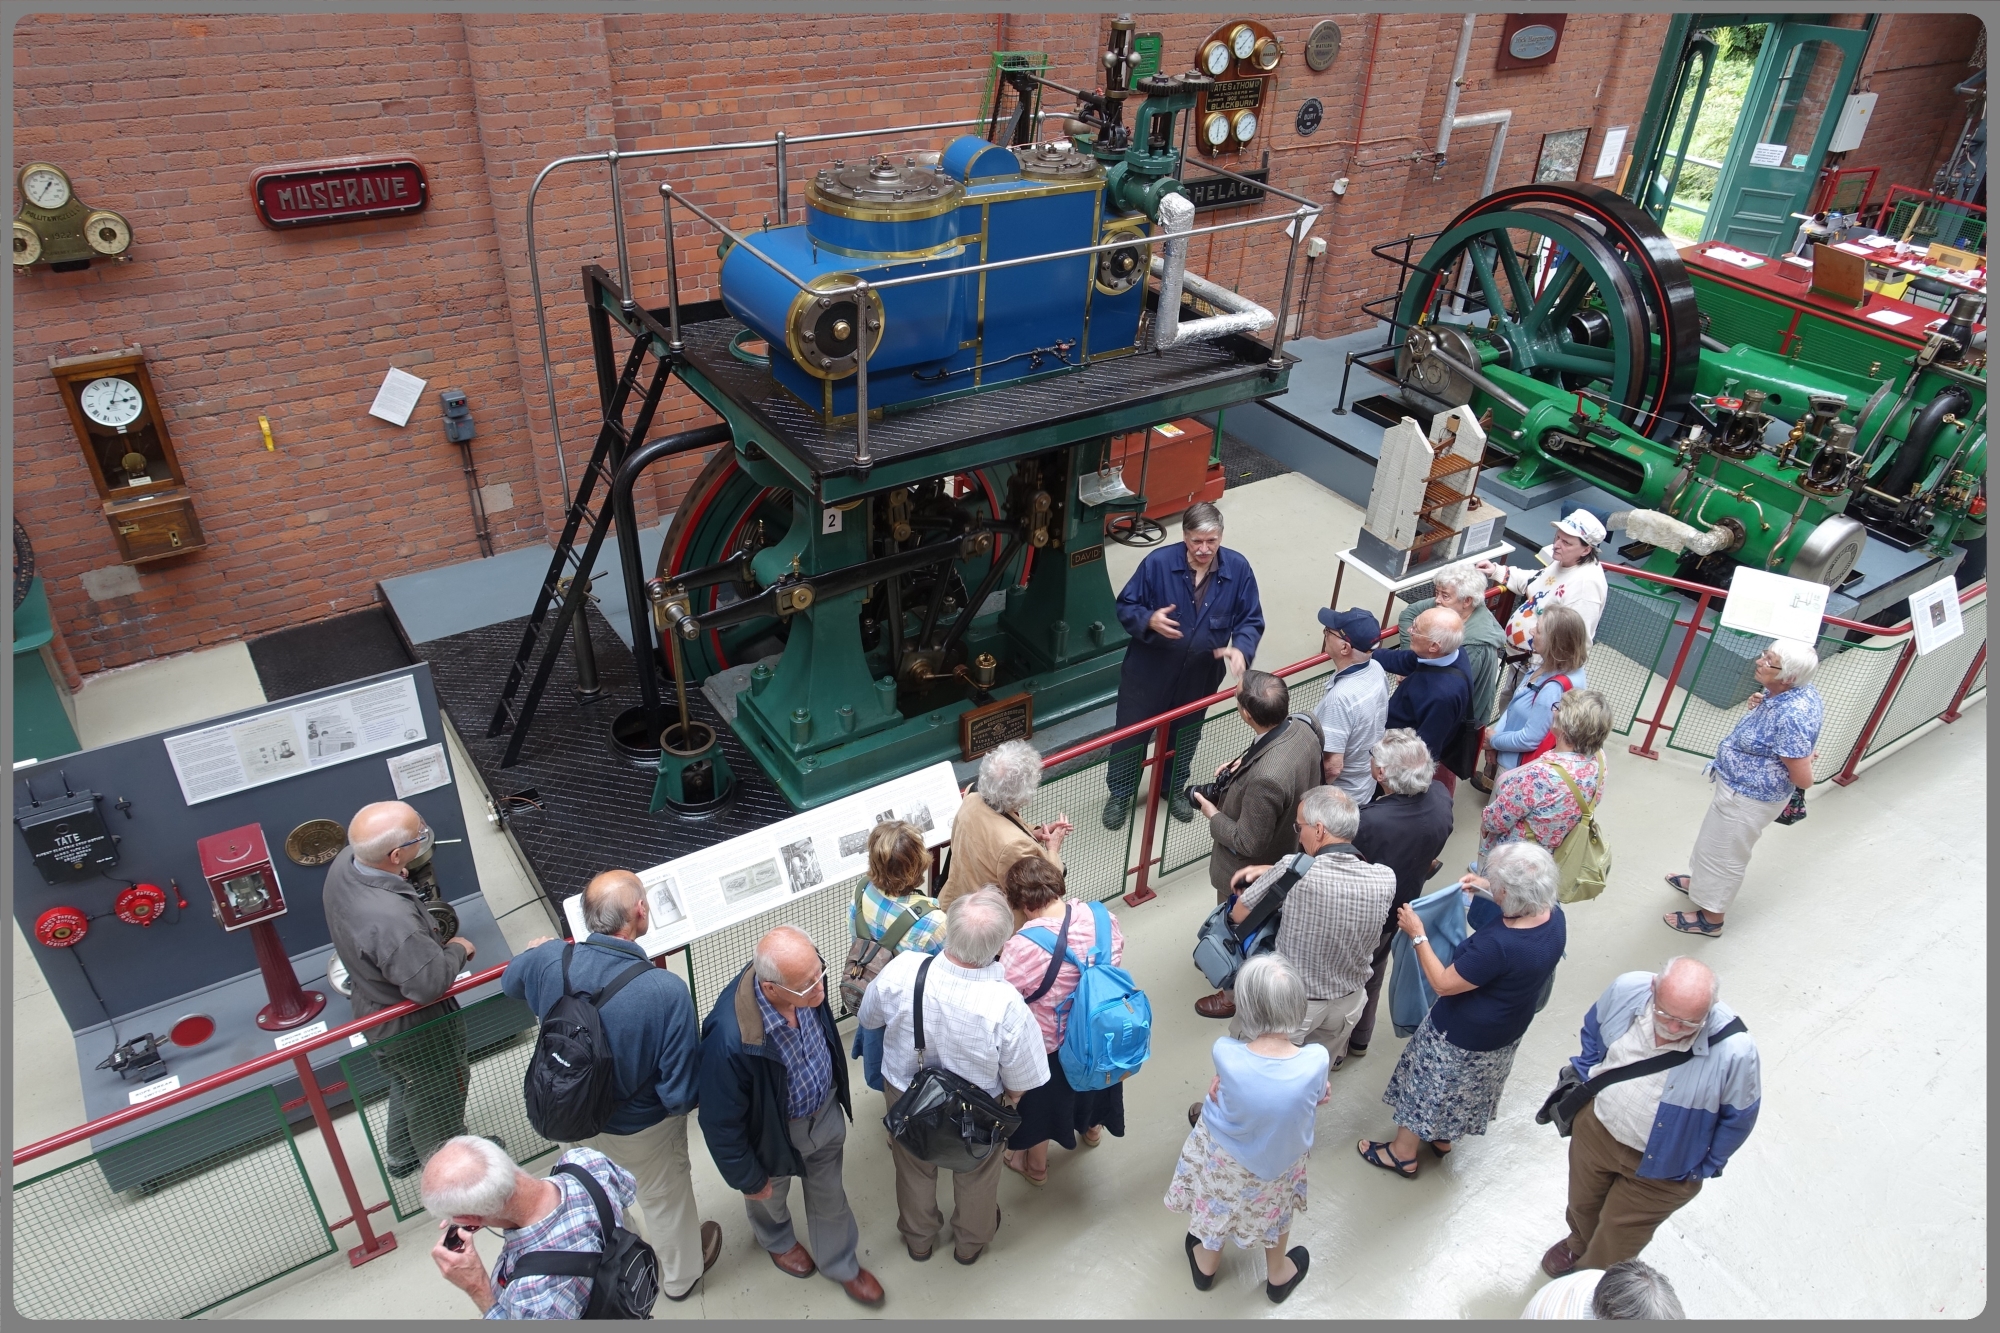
{"x":1249,"y":805}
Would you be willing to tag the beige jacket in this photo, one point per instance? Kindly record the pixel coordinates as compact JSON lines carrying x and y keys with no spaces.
{"x":984,"y":846}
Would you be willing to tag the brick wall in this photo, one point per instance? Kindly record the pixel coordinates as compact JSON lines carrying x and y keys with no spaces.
{"x":1912,"y":63}
{"x":165,"y":119}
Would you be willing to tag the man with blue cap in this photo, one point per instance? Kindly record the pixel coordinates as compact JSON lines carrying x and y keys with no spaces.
{"x":1355,"y":708}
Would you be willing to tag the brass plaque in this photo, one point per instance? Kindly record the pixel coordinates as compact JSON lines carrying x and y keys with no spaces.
{"x":1235,"y":95}
{"x":992,"y":725}
{"x":315,"y":842}
{"x":1087,"y":555}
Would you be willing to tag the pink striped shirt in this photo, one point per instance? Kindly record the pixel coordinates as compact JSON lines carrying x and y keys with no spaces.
{"x":1027,"y":962}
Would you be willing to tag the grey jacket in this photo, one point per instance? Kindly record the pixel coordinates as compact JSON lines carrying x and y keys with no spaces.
{"x":1253,"y":823}
{"x":386,"y":939}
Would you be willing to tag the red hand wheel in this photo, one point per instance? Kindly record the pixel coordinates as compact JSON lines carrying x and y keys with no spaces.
{"x":60,"y":927}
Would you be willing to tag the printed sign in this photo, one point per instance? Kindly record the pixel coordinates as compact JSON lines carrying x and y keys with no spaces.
{"x":1934,"y":615}
{"x":306,"y":194}
{"x":269,"y":747}
{"x":1768,"y":155}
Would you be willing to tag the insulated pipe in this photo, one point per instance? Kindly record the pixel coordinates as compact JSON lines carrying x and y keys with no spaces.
{"x":1241,"y":315}
{"x":1445,"y":125}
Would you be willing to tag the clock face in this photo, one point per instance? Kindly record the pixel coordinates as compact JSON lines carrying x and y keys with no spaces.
{"x":44,"y":186}
{"x":111,"y":401}
{"x":1216,"y":128}
{"x":1242,"y":41}
{"x":1215,"y":59}
{"x":1245,"y":126}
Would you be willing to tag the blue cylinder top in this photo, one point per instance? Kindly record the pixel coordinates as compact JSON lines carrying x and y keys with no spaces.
{"x":879,"y":207}
{"x":970,"y":158}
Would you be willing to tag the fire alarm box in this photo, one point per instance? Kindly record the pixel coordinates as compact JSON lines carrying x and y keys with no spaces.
{"x":68,"y":838}
{"x":241,"y":876}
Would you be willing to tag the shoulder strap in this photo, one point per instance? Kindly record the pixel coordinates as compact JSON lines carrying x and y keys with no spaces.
{"x":1589,"y":811}
{"x":605,"y":1221}
{"x":568,"y":949}
{"x":860,"y":896}
{"x":917,"y":1008}
{"x":572,"y":1263}
{"x":905,"y":922}
{"x":1056,"y":956}
{"x":1101,"y":918}
{"x":1671,"y":1060}
{"x":619,"y":983}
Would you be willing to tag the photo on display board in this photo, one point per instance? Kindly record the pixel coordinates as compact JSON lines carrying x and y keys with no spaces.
{"x":920,"y":815}
{"x":802,"y":864}
{"x":854,"y":844}
{"x":739,"y":886}
{"x":663,"y":902}
{"x":885,"y":816}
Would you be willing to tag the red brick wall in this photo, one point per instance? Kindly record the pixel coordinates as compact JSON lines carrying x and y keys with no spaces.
{"x":1912,"y":63}
{"x":165,"y":119}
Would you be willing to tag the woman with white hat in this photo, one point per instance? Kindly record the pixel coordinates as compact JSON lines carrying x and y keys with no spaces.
{"x":1570,"y":576}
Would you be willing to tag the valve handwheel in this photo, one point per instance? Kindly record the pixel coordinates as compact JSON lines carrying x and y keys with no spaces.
{"x":24,"y":564}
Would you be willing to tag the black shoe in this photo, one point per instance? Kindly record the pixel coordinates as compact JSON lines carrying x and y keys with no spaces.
{"x":1117,"y":810}
{"x":1202,"y":1281}
{"x":1181,"y":808}
{"x":1297,"y":1254}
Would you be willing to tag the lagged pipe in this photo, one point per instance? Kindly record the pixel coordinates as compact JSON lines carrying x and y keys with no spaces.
{"x":1240,"y":315}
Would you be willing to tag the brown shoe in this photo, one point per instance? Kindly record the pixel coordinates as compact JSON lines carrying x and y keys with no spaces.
{"x":797,"y":1261}
{"x":864,"y":1288}
{"x":711,"y":1244}
{"x":1219,"y":1005}
{"x":1559,"y":1260}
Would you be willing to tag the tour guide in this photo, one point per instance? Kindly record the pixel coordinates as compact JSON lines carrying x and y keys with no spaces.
{"x":1192,"y":612}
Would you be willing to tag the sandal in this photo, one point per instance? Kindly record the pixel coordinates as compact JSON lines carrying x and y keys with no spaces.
{"x":1373,"y":1153}
{"x":1693,"y":924}
{"x":1091,"y":1137}
{"x":1437,"y":1152}
{"x":1681,"y":882}
{"x":1021,"y":1170}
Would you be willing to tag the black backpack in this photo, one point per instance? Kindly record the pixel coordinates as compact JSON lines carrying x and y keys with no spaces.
{"x":624,"y":1275}
{"x":569,"y":1085}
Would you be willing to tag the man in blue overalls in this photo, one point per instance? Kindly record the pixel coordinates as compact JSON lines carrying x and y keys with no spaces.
{"x":1193,"y":614}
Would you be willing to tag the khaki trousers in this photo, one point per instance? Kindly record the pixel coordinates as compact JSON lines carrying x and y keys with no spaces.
{"x":975,"y":1208}
{"x":657,"y":1157}
{"x":1328,"y":1022}
{"x":1613,"y":1211}
{"x":1722,"y":848}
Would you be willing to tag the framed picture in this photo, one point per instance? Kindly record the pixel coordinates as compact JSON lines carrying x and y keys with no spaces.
{"x":1562,"y":155}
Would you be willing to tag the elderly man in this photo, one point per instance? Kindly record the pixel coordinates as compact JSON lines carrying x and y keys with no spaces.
{"x":1355,"y":707}
{"x":1631,"y":1290}
{"x":472,"y":1183}
{"x":976,"y":1026}
{"x":773,"y":1093}
{"x":1261,"y":785}
{"x":988,"y":834}
{"x":1405,"y":829}
{"x":649,"y":1025}
{"x":1331,"y":921}
{"x":1461,"y":589}
{"x":392,"y":952}
{"x":1193,"y":613}
{"x":1435,"y":698}
{"x":1642,"y":1147}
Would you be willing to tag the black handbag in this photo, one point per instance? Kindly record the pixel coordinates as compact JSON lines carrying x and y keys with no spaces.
{"x":942,"y":1119}
{"x":1795,"y":809}
{"x":1571,"y":1093}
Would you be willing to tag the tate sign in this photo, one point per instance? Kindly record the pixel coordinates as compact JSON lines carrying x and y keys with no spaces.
{"x":306,"y":194}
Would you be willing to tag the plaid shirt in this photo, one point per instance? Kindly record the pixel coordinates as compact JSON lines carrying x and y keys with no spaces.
{"x":571,"y":1227}
{"x":1332,"y":920}
{"x":879,"y":912}
{"x":808,"y":1064}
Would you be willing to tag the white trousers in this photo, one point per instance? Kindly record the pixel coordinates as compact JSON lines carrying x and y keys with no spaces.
{"x":1722,"y":848}
{"x":1328,"y":1022}
{"x":657,"y":1157}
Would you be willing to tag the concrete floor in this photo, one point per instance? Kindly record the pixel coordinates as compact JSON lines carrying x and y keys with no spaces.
{"x":1861,"y":1193}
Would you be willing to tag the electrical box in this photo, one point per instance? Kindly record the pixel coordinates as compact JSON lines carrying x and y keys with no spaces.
{"x":241,"y":877}
{"x":1853,"y":124}
{"x":68,"y":838}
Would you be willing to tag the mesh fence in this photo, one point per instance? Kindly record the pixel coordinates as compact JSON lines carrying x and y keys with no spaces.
{"x":1933,"y":678}
{"x":159,"y":1227}
{"x":1632,"y":639}
{"x":1925,"y":221}
{"x":714,"y":960}
{"x":460,"y":1074}
{"x":1095,"y":858}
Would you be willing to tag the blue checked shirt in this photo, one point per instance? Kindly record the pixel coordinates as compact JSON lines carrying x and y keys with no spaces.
{"x":572,"y":1226}
{"x":878,"y":914}
{"x":808,"y":1063}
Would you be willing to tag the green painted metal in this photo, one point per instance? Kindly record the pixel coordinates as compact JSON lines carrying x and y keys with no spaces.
{"x":42,"y":727}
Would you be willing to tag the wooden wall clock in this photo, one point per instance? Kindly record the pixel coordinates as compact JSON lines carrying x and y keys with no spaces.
{"x":123,"y":435}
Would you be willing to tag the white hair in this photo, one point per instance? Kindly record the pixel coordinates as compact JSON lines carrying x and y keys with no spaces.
{"x":611,"y":908}
{"x":764,"y":963}
{"x":1460,"y":580}
{"x":1405,"y":762}
{"x":1796,"y":661}
{"x":1448,"y":639}
{"x":1270,"y":997}
{"x":976,"y":927}
{"x":1201,"y":516}
{"x":1635,"y":1289}
{"x":469,"y":1177}
{"x":1008,"y":776}
{"x":1526,"y":876}
{"x":1333,"y":810}
{"x":1714,"y":982}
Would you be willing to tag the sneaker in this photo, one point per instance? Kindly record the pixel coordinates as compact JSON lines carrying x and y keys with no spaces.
{"x":1116,"y":811}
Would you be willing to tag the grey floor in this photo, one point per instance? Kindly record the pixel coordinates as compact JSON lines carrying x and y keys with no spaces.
{"x":1857,"y":955}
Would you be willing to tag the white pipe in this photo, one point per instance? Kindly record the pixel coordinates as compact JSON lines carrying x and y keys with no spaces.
{"x":1451,"y":92}
{"x":1500,"y":120}
{"x":1240,"y":315}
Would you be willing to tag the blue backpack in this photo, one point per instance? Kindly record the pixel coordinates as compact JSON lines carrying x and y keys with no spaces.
{"x":1114,"y":1032}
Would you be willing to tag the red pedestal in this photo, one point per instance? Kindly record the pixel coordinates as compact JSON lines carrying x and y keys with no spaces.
{"x":291,"y":1004}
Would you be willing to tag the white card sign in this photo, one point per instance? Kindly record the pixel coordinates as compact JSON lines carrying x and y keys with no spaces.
{"x":1768,"y":155}
{"x":1934,"y":615}
{"x":397,"y":397}
{"x":1783,"y":608}
{"x":1608,"y":155}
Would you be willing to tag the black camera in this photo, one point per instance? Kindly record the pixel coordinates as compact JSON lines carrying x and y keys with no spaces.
{"x":1207,"y":791}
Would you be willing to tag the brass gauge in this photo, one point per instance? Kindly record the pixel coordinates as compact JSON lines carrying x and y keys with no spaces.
{"x":1243,"y":125}
{"x":27,"y":244}
{"x":1242,"y":41}
{"x":45,"y":187}
{"x":1215,"y":59}
{"x":1267,"y":54}
{"x":107,"y":233}
{"x":1215,"y":129}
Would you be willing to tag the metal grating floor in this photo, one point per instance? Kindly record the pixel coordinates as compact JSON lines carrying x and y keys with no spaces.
{"x":974,"y":418}
{"x":593,"y":799}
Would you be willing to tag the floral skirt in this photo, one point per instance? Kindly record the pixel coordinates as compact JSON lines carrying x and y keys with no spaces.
{"x":1444,"y":1092}
{"x":1225,"y":1201}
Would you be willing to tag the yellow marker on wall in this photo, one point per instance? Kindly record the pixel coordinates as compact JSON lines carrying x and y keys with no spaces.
{"x":265,"y":424}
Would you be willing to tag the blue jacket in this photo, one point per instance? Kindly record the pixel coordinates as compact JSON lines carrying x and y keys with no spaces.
{"x":1410,"y":996}
{"x":1432,"y":700}
{"x":1710,"y":1103}
{"x":650,"y":1024}
{"x":1526,"y":721}
{"x":743,"y":1082}
{"x":1161,"y":674}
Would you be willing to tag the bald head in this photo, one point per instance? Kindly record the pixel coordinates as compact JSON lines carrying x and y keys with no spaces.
{"x":376,"y":830}
{"x":786,"y":957}
{"x":474,"y":1181}
{"x":1686,"y":987}
{"x":614,"y":903}
{"x":1437,"y":632}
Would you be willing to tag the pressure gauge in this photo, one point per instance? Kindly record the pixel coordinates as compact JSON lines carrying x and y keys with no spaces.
{"x":1244,"y":126}
{"x":1267,"y":54}
{"x":107,"y":233}
{"x":27,"y":244}
{"x":44,"y":186}
{"x":1215,"y":129}
{"x":1215,"y":59}
{"x":1242,"y":41}
{"x":111,"y":401}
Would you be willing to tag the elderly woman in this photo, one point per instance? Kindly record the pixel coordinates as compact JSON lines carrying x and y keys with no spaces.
{"x":1242,"y":1171}
{"x":1765,"y":756}
{"x":1561,"y":645}
{"x":1531,"y":802}
{"x":1055,"y":1110}
{"x":888,"y":907}
{"x":1570,"y":576}
{"x":988,"y":835}
{"x":1448,"y":1081}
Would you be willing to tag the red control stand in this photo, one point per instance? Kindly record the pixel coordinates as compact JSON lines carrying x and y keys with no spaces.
{"x":291,"y":1004}
{"x":243,"y":879}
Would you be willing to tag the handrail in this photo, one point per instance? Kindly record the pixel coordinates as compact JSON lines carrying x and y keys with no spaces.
{"x":1965,"y":595}
{"x":1202,"y":704}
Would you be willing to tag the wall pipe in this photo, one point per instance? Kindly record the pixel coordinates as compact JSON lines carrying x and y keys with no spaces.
{"x":1445,"y":124}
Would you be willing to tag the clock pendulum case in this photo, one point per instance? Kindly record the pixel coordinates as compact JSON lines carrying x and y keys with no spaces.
{"x":123,"y":435}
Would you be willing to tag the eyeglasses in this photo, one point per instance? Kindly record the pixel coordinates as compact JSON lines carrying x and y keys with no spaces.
{"x":424,"y":834}
{"x":798,"y":994}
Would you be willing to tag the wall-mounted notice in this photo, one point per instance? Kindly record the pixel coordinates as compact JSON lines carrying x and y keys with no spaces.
{"x":269,"y":747}
{"x":732,"y":881}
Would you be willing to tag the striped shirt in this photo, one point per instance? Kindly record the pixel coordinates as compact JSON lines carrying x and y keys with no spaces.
{"x":573,"y":1228}
{"x":878,"y":913}
{"x":802,"y":1046}
{"x":1332,"y":920}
